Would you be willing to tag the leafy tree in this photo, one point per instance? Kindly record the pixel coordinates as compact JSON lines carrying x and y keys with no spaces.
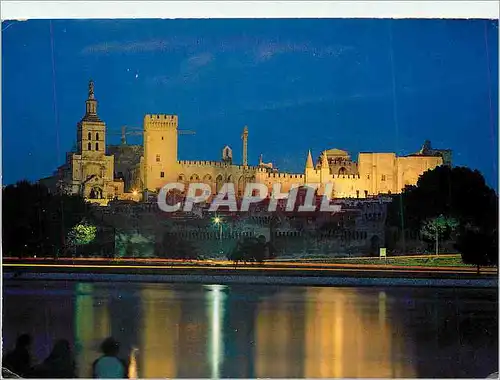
{"x":459,"y":193}
{"x":246,"y":250}
{"x":478,"y":247}
{"x":36,"y":222}
{"x":80,"y":235}
{"x":436,"y":228}
{"x":175,"y":247}
{"x":252,"y":250}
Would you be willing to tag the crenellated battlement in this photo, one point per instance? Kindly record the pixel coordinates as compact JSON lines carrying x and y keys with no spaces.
{"x":219,"y":164}
{"x":346,"y":176}
{"x":202,"y":163}
{"x":161,"y":117}
{"x":285,"y":175}
{"x":160,"y":120}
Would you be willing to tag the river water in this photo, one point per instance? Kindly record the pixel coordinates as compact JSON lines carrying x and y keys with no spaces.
{"x":200,"y":331}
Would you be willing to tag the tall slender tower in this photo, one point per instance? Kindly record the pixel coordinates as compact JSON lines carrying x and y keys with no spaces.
{"x":244,"y":136}
{"x":91,"y":130}
{"x":90,"y":160}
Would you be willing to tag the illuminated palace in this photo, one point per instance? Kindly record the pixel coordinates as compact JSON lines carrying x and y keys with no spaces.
{"x":101,"y":173}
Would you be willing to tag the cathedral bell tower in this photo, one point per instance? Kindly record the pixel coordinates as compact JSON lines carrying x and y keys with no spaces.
{"x":91,"y":133}
{"x":91,"y":169}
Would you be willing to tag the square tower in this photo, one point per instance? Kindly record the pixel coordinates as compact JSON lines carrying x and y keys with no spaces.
{"x":160,"y":150}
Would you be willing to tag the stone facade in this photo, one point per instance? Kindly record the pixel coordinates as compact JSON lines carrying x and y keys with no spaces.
{"x":127,"y":164}
{"x":373,"y":174}
{"x":128,"y":173}
{"x":89,"y":171}
{"x":357,"y":230}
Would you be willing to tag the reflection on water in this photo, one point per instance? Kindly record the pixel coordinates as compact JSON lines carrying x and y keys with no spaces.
{"x":160,"y":328}
{"x":215,"y":306}
{"x":92,"y":323}
{"x":263,"y":331}
{"x":347,"y":338}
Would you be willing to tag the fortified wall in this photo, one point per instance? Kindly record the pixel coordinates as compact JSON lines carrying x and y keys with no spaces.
{"x":135,"y":172}
{"x":358,"y":230}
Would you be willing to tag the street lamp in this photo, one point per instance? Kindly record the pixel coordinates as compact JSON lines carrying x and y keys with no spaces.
{"x":218,"y":222}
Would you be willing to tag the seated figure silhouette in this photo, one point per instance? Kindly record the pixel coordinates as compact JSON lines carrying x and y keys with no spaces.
{"x":109,"y":366}
{"x":19,"y":359}
{"x":60,"y":364}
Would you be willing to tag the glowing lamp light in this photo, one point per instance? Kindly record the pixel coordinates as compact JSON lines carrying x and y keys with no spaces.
{"x":134,"y":193}
{"x":217,"y":220}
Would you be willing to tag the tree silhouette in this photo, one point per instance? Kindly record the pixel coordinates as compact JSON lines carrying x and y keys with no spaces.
{"x":36,"y":222}
{"x":460,"y":194}
{"x":173,"y":246}
{"x":251,"y":249}
{"x":478,"y":247}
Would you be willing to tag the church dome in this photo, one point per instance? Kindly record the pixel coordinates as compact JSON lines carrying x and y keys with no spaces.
{"x":336,"y":153}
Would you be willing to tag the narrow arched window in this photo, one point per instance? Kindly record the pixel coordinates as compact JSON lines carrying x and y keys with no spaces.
{"x":96,"y":146}
{"x":89,"y":146}
{"x":90,"y":136}
{"x":97,"y":136}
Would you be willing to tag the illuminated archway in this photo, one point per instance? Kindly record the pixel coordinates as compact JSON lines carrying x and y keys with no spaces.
{"x":219,"y":182}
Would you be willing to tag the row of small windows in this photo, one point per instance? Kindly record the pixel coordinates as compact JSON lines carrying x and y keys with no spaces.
{"x":89,"y":146}
{"x":96,"y":136}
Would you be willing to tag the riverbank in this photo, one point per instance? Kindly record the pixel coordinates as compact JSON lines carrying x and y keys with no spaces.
{"x":263,"y":280}
{"x":267,"y":273}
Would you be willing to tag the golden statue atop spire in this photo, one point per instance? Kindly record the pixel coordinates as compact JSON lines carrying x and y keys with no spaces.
{"x":91,"y":89}
{"x":91,"y":105}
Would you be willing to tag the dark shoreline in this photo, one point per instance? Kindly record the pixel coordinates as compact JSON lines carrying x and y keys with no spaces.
{"x":255,"y":277}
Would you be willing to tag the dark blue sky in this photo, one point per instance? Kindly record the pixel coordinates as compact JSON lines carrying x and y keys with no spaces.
{"x":358,"y":85}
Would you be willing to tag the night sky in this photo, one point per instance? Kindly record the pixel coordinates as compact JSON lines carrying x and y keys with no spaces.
{"x":358,"y":85}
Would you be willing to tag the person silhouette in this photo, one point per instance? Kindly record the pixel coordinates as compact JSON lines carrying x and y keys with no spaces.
{"x":19,"y":359}
{"x":60,"y":364}
{"x":109,"y":366}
